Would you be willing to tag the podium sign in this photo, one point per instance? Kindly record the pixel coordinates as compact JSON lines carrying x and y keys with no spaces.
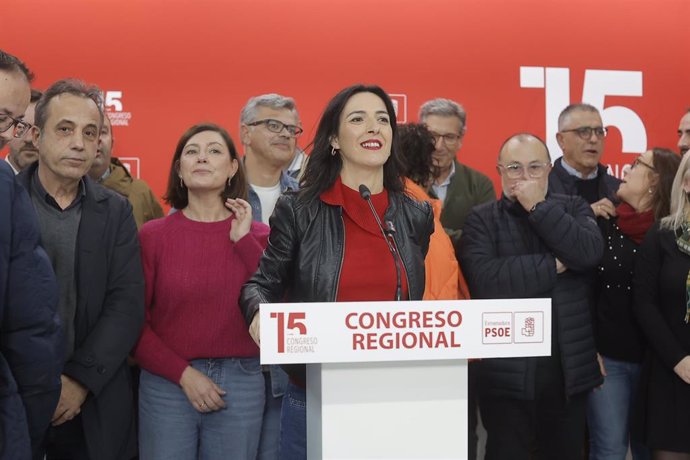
{"x":350,"y":332}
{"x":388,"y":380}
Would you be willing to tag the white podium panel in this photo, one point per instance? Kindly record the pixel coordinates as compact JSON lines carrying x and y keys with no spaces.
{"x":388,"y":380}
{"x":391,"y":410}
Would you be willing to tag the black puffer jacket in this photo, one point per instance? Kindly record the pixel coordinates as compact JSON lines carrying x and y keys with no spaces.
{"x":306,"y":249}
{"x":509,"y":253}
{"x":560,"y":181}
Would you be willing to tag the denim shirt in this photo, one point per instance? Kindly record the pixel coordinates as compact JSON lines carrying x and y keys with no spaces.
{"x":286,"y":183}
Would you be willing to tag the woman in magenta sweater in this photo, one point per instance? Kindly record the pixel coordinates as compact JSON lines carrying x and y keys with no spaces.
{"x":202,"y":392}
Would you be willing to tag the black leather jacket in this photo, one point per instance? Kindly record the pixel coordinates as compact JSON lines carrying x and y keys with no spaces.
{"x":306,"y":248}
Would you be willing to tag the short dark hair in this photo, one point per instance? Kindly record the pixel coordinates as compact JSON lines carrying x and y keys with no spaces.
{"x":580,"y":106}
{"x":666,"y":164}
{"x":323,"y":169}
{"x":67,"y":86}
{"x":35,"y":95}
{"x":10,"y":63}
{"x":415,"y":146}
{"x":176,"y":194}
{"x":523,"y":137}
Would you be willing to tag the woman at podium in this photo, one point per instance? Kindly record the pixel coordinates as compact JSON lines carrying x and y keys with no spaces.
{"x":349,"y":234}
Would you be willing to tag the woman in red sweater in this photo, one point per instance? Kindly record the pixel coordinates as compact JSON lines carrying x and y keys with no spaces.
{"x":202,"y":392}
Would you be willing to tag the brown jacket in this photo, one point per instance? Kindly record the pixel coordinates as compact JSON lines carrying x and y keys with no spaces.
{"x":145,"y":206}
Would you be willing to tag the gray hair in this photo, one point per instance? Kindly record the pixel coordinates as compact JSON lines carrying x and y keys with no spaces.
{"x":680,"y":201}
{"x":68,"y":86}
{"x":581,"y":106}
{"x":444,"y":108}
{"x":272,"y":100}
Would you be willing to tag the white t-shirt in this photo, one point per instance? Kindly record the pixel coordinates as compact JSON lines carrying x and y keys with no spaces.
{"x":268,"y":196}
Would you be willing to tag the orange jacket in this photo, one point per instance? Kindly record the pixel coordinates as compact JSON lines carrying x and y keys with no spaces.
{"x":444,"y":280}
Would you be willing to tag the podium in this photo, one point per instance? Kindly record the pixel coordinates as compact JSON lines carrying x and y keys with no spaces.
{"x":388,"y":380}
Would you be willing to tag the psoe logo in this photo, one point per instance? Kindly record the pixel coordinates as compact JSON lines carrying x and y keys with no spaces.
{"x":529,"y":327}
{"x":287,"y":330}
{"x":497,"y":327}
{"x":114,"y":108}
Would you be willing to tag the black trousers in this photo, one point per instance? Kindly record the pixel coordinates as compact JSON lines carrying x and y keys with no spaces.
{"x":550,"y":427}
{"x":66,"y":441}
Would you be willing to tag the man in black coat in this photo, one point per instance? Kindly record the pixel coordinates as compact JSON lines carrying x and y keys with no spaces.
{"x":579,"y":171}
{"x":30,"y":338}
{"x":531,"y":244}
{"x":90,"y":235}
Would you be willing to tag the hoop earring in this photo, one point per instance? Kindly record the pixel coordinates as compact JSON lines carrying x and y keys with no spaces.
{"x":230,"y":181}
{"x":181,"y":182}
{"x":333,"y":151}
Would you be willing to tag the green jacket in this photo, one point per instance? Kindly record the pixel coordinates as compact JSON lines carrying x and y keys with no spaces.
{"x":145,"y":206}
{"x":467,"y":188}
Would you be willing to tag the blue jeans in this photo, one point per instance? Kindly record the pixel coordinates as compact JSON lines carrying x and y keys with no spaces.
{"x":293,"y":424}
{"x":170,"y":427}
{"x":608,"y":413}
{"x":269,"y":446}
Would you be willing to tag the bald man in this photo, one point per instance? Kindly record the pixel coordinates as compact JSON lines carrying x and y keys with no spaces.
{"x":535,"y":244}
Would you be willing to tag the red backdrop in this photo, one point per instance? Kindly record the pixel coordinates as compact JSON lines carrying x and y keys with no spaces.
{"x":513,"y":65}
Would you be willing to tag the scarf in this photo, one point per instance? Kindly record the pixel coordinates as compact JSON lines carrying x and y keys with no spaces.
{"x":634,"y":224}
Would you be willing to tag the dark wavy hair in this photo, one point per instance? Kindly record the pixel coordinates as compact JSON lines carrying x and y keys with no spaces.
{"x":323,"y":168}
{"x":666,"y":164}
{"x":415,"y":146}
{"x":176,"y":194}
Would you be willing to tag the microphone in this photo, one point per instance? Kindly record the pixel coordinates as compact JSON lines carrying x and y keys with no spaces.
{"x":388,"y":236}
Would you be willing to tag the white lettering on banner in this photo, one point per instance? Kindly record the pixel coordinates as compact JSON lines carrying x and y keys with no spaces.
{"x":114,"y":109}
{"x":392,"y":331}
{"x":597,"y":85}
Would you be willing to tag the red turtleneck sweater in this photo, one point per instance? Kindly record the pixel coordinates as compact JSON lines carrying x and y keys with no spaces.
{"x":368,"y":270}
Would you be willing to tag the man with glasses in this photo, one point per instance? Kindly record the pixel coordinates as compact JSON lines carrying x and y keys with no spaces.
{"x":30,"y":337}
{"x":684,"y":133}
{"x":269,"y":128}
{"x":580,"y":136}
{"x":535,"y":244}
{"x":459,"y":187}
{"x":22,"y":151}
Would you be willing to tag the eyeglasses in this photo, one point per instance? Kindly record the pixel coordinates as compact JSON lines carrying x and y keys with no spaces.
{"x":277,"y":127}
{"x":20,"y":127}
{"x":585,"y":132}
{"x":448,"y":139}
{"x":534,"y":170}
{"x":639,"y":162}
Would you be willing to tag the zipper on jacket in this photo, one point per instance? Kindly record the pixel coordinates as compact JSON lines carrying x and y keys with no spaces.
{"x":342,"y":257}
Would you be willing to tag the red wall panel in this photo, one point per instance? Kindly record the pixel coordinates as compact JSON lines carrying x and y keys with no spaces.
{"x":179,"y":62}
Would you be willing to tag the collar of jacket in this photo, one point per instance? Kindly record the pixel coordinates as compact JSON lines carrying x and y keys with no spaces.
{"x":93,"y":190}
